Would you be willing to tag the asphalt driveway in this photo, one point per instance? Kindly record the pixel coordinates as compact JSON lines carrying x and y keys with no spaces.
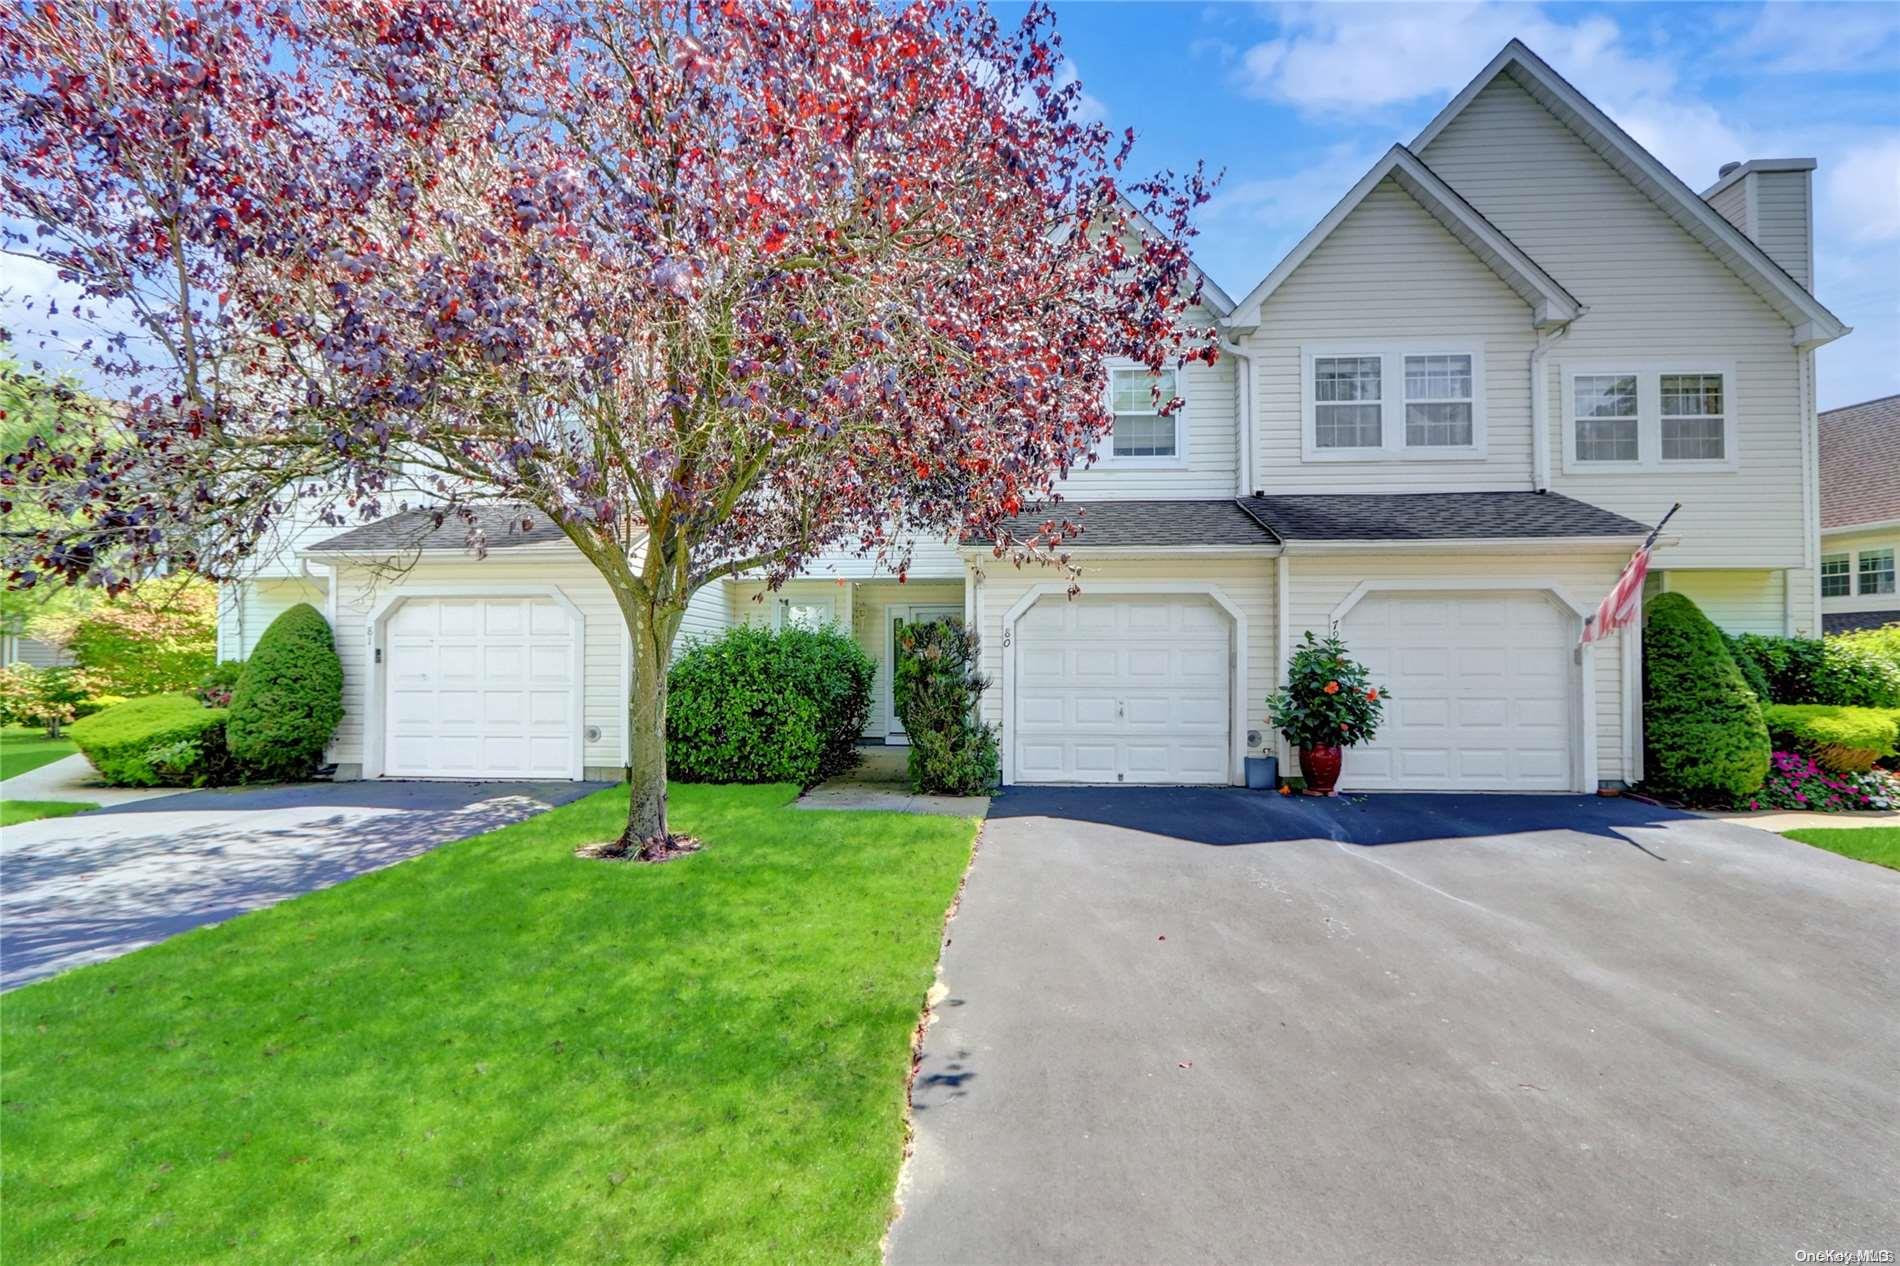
{"x":1207,"y":1026}
{"x":80,"y":889}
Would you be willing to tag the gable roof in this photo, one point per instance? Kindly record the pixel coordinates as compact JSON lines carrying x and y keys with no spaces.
{"x":1860,"y":464}
{"x":1550,"y":303}
{"x":1813,"y":323}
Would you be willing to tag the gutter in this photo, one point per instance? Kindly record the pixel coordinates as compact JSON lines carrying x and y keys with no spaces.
{"x":1477,"y":544}
{"x":1243,"y":392}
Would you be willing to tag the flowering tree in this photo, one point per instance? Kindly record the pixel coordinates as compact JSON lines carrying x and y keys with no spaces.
{"x":714,"y":286}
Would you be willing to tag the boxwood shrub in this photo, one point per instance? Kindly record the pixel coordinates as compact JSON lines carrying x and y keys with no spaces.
{"x":1818,"y":670}
{"x":1705,"y":739}
{"x":157,"y":741}
{"x":1841,"y":740}
{"x":288,"y":699}
{"x":952,"y":753}
{"x":758,"y":705}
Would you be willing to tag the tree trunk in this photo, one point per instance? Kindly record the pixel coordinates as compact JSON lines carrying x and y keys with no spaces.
{"x":652,"y":636}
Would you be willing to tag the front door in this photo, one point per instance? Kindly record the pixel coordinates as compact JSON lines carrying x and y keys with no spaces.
{"x":895,"y":619}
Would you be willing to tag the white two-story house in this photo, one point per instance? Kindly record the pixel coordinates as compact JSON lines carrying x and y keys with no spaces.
{"x":1441,"y":424}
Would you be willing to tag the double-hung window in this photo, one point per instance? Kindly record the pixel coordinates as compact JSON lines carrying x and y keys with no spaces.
{"x":1147,"y":420}
{"x":1836,"y":575}
{"x":1876,"y":572}
{"x":1377,"y":402}
{"x":1648,"y":415}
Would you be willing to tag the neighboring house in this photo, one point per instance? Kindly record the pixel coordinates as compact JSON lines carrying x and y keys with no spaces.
{"x":1860,"y":515}
{"x":18,"y":648}
{"x":1442,"y":424}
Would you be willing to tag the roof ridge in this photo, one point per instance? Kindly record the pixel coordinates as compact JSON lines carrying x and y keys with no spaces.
{"x":1848,"y":408}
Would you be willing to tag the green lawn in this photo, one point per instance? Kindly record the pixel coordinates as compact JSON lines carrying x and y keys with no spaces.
{"x":13,"y":812}
{"x":500,"y":1052}
{"x":25,"y":747}
{"x":1877,"y":844}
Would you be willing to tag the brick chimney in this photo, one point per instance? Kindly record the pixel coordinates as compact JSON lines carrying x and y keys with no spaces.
{"x":1772,"y":201}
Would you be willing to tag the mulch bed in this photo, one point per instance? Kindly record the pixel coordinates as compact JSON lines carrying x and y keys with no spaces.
{"x":655,"y":850}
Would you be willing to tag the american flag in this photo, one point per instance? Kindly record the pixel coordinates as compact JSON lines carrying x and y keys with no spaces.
{"x":1620,"y":605}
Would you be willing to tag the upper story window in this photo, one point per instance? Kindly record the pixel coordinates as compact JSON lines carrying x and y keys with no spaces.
{"x":1876,"y":571}
{"x":1376,"y":402}
{"x":1648,"y":415}
{"x":1836,"y":575}
{"x":1145,"y":426}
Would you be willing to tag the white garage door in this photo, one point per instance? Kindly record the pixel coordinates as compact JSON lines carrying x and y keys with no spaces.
{"x":482,"y":688}
{"x":1130,"y":690}
{"x":1482,"y":688}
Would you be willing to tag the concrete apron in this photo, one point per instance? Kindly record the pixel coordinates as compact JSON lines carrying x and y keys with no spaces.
{"x":881,"y":783}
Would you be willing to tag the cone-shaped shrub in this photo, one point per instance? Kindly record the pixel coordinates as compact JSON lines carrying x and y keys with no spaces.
{"x":288,"y":700}
{"x":1705,"y":740}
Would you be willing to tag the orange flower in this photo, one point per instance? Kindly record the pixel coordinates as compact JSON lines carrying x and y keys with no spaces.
{"x":1332,"y":687}
{"x":1373,"y":694}
{"x":1286,"y":789}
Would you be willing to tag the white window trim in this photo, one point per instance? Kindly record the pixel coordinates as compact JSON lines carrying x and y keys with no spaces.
{"x":1393,"y":447}
{"x":1851,"y":575}
{"x":1854,"y":573}
{"x":782,"y":601}
{"x":1105,"y":451}
{"x":1648,"y":372}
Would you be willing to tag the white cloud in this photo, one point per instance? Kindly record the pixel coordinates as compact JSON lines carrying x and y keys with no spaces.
{"x":1090,"y":108}
{"x":1808,"y":38}
{"x":1861,"y":192}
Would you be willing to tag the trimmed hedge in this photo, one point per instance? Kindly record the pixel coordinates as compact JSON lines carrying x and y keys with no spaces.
{"x":952,"y":753}
{"x":288,"y":700}
{"x":1706,"y":741}
{"x":157,"y":741}
{"x":1841,"y":740}
{"x":758,"y":705}
{"x":1817,"y":670}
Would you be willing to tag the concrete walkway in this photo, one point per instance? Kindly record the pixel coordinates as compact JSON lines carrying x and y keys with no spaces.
{"x":1206,"y":1026}
{"x":1780,"y":820}
{"x":880,"y":782}
{"x":73,"y":780}
{"x":80,"y":889}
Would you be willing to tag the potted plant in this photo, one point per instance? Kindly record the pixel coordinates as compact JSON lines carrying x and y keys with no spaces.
{"x":1327,"y":705}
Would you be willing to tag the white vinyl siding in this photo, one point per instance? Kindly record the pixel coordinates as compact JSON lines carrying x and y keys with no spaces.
{"x":1654,"y":295}
{"x":1739,"y":600}
{"x":247,"y":607}
{"x":931,"y":558}
{"x":18,"y":649}
{"x":1391,"y":282}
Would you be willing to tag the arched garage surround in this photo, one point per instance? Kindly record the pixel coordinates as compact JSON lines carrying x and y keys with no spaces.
{"x":376,"y":701}
{"x":1580,"y":686}
{"x":1058,"y":591}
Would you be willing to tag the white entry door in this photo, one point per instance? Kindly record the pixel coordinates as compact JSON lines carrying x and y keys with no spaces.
{"x":1483,"y":692}
{"x":1123,"y":690}
{"x":895,"y":618}
{"x":482,"y":688}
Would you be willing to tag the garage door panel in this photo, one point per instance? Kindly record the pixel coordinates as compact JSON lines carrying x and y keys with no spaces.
{"x":1122,"y":690}
{"x":481,"y":688}
{"x":1482,"y":691}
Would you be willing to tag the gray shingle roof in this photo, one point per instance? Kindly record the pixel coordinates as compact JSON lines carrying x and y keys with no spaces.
{"x":1430,"y":516}
{"x":1107,"y":524}
{"x":416,"y":529}
{"x":1852,"y":621}
{"x":1860,"y":463}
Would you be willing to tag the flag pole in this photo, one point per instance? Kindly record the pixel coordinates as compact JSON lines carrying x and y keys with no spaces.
{"x":1648,"y":543}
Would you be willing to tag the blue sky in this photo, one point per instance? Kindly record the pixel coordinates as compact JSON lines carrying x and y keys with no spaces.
{"x":1296,"y":101}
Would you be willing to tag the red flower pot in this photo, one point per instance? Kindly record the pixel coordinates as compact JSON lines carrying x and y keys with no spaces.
{"x":1320,"y":767}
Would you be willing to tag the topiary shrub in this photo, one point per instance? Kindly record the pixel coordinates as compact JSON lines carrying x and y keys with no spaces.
{"x":1840,"y":740}
{"x":157,"y":741}
{"x":1818,"y":670}
{"x":758,"y":705}
{"x":288,"y":699}
{"x":937,"y":689}
{"x":1705,"y":740}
